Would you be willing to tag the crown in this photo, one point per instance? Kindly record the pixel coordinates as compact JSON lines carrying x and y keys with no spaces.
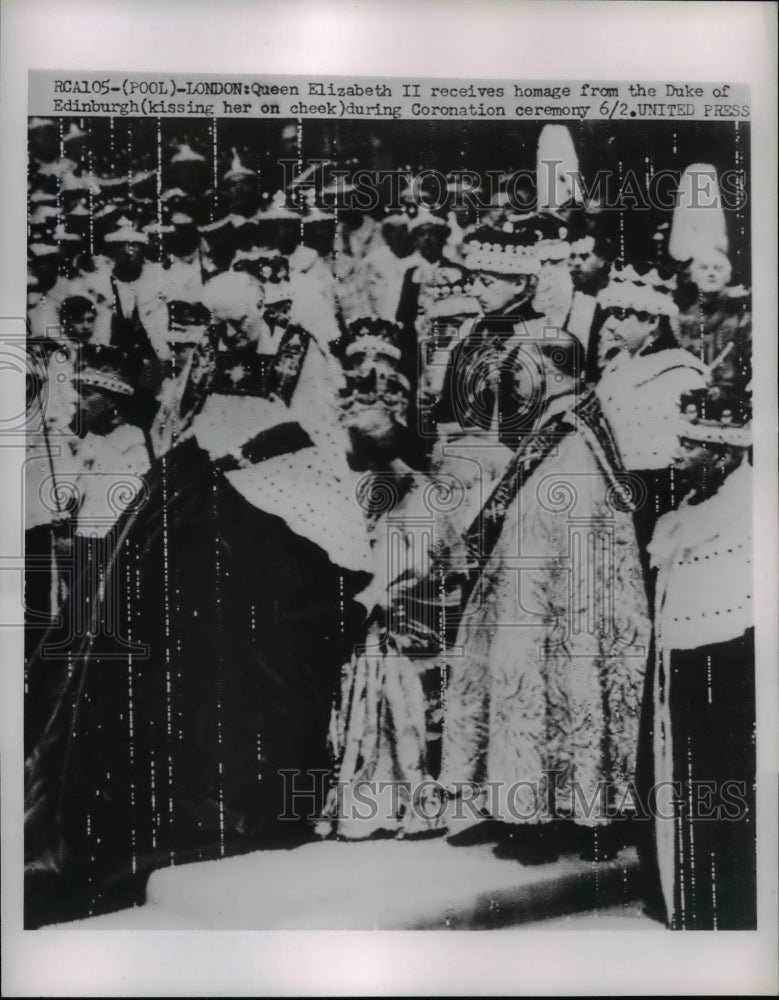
{"x":715,"y":416}
{"x":647,"y":292}
{"x":371,"y":330}
{"x":103,"y":367}
{"x":186,"y":321}
{"x":502,"y":251}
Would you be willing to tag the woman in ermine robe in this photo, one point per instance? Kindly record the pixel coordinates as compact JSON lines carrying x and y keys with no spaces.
{"x":542,"y":706}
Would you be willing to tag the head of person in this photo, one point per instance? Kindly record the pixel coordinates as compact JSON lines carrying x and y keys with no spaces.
{"x":44,"y":139}
{"x":77,"y":316}
{"x":714,"y":438}
{"x":273,"y":275}
{"x":450,"y":299}
{"x":504,"y":267}
{"x":183,"y":239}
{"x":104,"y":391}
{"x":710,"y":271}
{"x":127,"y":247}
{"x":286,"y":235}
{"x":429,"y":233}
{"x":375,"y":394}
{"x":638,"y":309}
{"x":589,"y":262}
{"x":44,"y":262}
{"x":74,"y":141}
{"x":394,"y":230}
{"x":188,"y":326}
{"x":462,"y":198}
{"x":495,"y":292}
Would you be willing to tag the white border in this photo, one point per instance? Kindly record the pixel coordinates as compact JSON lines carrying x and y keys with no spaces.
{"x":455,"y":38}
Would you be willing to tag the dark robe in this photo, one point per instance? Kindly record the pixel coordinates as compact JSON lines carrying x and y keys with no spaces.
{"x":219,"y":638}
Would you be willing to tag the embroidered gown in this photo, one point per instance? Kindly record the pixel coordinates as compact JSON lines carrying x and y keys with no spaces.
{"x":548,"y":669}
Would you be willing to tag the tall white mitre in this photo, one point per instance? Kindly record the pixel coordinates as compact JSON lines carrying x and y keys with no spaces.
{"x":557,"y":169}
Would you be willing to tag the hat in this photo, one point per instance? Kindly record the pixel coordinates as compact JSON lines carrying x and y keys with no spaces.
{"x":313,"y":212}
{"x":279,"y":209}
{"x":187,"y":321}
{"x":510,"y":250}
{"x":43,"y":250}
{"x":61,"y":235}
{"x":39,"y":123}
{"x":43,"y":198}
{"x":74,"y":133}
{"x":238,"y":169}
{"x":114,"y":185}
{"x":157,"y":229}
{"x":126,"y":233}
{"x":649,"y":292}
{"x":45,"y":215}
{"x":186,"y":154}
{"x":104,"y":367}
{"x":447,"y":295}
{"x":552,"y":245}
{"x":371,"y":330}
{"x":557,"y":169}
{"x":425,"y":217}
{"x":336,"y":193}
{"x":713,"y":416}
{"x":273,"y":272}
{"x":699,"y":219}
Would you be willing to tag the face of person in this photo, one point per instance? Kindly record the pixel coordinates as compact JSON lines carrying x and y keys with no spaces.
{"x":128,"y":257}
{"x":183,"y":241}
{"x":98,"y":411}
{"x":463,"y":212}
{"x":45,"y":270}
{"x":585,"y":265}
{"x":696,"y":463}
{"x":711,"y":273}
{"x":633,"y":328}
{"x":82,"y":328}
{"x":286,"y":236}
{"x":494,"y":292}
{"x":375,"y":398}
{"x":45,"y":143}
{"x":277,"y":314}
{"x":241,"y":194}
{"x":429,"y":241}
{"x":397,"y":239}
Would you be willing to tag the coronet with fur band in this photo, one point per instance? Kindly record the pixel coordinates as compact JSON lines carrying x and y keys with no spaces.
{"x":710,"y":416}
{"x":103,"y":367}
{"x":273,"y":272}
{"x":505,"y":251}
{"x":641,"y":293}
{"x":372,"y":331}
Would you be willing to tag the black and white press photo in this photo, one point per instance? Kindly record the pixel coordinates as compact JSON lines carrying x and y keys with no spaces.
{"x":388,"y":505}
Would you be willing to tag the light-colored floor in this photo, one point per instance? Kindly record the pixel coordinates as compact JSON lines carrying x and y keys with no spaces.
{"x":386,"y":885}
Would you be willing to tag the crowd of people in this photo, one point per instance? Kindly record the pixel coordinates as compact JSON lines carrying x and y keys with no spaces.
{"x":350,"y":523}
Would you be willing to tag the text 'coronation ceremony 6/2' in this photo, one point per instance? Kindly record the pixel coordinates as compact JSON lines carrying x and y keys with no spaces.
{"x":389,"y":480}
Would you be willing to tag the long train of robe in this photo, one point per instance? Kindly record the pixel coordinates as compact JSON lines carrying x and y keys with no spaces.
{"x":177,"y":755}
